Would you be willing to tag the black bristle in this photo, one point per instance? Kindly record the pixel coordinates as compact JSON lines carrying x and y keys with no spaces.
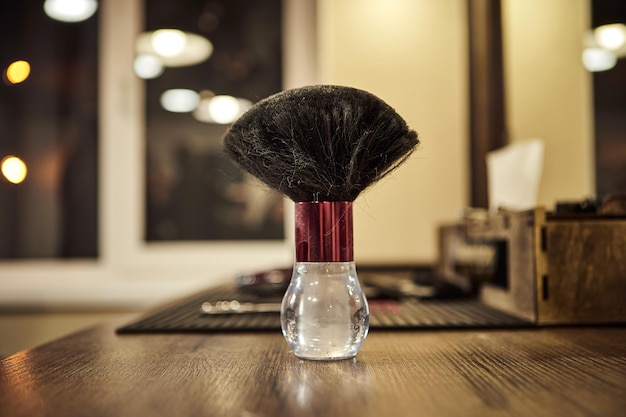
{"x":320,"y":143}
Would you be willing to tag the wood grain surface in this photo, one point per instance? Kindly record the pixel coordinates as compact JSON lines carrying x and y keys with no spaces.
{"x":536,"y":372}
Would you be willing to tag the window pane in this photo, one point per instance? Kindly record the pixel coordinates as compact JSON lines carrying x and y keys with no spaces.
{"x":193,"y":191}
{"x":48,"y":119}
{"x":610,"y":109}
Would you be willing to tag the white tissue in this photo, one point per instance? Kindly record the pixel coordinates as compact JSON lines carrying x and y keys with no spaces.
{"x":513,"y":175}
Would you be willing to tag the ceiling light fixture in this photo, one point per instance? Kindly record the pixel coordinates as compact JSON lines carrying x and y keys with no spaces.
{"x":70,"y":10}
{"x":174,"y":47}
{"x":612,"y":37}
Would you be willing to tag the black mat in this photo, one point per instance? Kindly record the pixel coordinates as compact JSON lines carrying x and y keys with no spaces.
{"x":186,"y":316}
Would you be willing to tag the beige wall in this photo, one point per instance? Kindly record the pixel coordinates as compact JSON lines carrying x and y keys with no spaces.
{"x":413,"y":55}
{"x":549,"y":94}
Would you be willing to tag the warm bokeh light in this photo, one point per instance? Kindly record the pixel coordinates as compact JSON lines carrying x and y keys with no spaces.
{"x":598,"y":59}
{"x":18,"y":72}
{"x":179,"y":100}
{"x":224,"y":109}
{"x":168,"y":42}
{"x":194,"y":49}
{"x":221,"y":109}
{"x":70,"y":10}
{"x":13,"y":169}
{"x":611,"y":36}
{"x":148,"y":66}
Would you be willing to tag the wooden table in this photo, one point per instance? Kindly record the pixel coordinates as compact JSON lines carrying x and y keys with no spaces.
{"x":532,"y":372}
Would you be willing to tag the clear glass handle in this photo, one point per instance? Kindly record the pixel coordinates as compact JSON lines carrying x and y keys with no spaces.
{"x":324,"y":313}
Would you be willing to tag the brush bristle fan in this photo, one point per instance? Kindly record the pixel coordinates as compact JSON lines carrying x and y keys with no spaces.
{"x":322,"y":146}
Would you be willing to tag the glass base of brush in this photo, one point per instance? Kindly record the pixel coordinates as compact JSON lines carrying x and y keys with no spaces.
{"x":324,"y":314}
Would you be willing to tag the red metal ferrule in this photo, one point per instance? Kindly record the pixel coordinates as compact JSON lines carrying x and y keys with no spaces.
{"x":324,"y":231}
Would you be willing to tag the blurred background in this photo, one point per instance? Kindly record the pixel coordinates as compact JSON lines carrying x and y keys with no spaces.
{"x":114,"y":193}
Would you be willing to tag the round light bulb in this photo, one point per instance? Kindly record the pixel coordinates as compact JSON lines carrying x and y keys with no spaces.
{"x":175,"y":48}
{"x":224,"y":109}
{"x":179,"y":100}
{"x":611,"y":37}
{"x":18,"y":72}
{"x":168,"y":42}
{"x":148,"y":66}
{"x":13,"y":169}
{"x":70,"y":10}
{"x":598,"y":59}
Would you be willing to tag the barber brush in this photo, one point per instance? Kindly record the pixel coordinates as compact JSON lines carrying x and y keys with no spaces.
{"x":322,"y":146}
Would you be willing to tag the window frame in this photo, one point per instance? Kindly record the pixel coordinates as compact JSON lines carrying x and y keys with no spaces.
{"x":129,"y":272}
